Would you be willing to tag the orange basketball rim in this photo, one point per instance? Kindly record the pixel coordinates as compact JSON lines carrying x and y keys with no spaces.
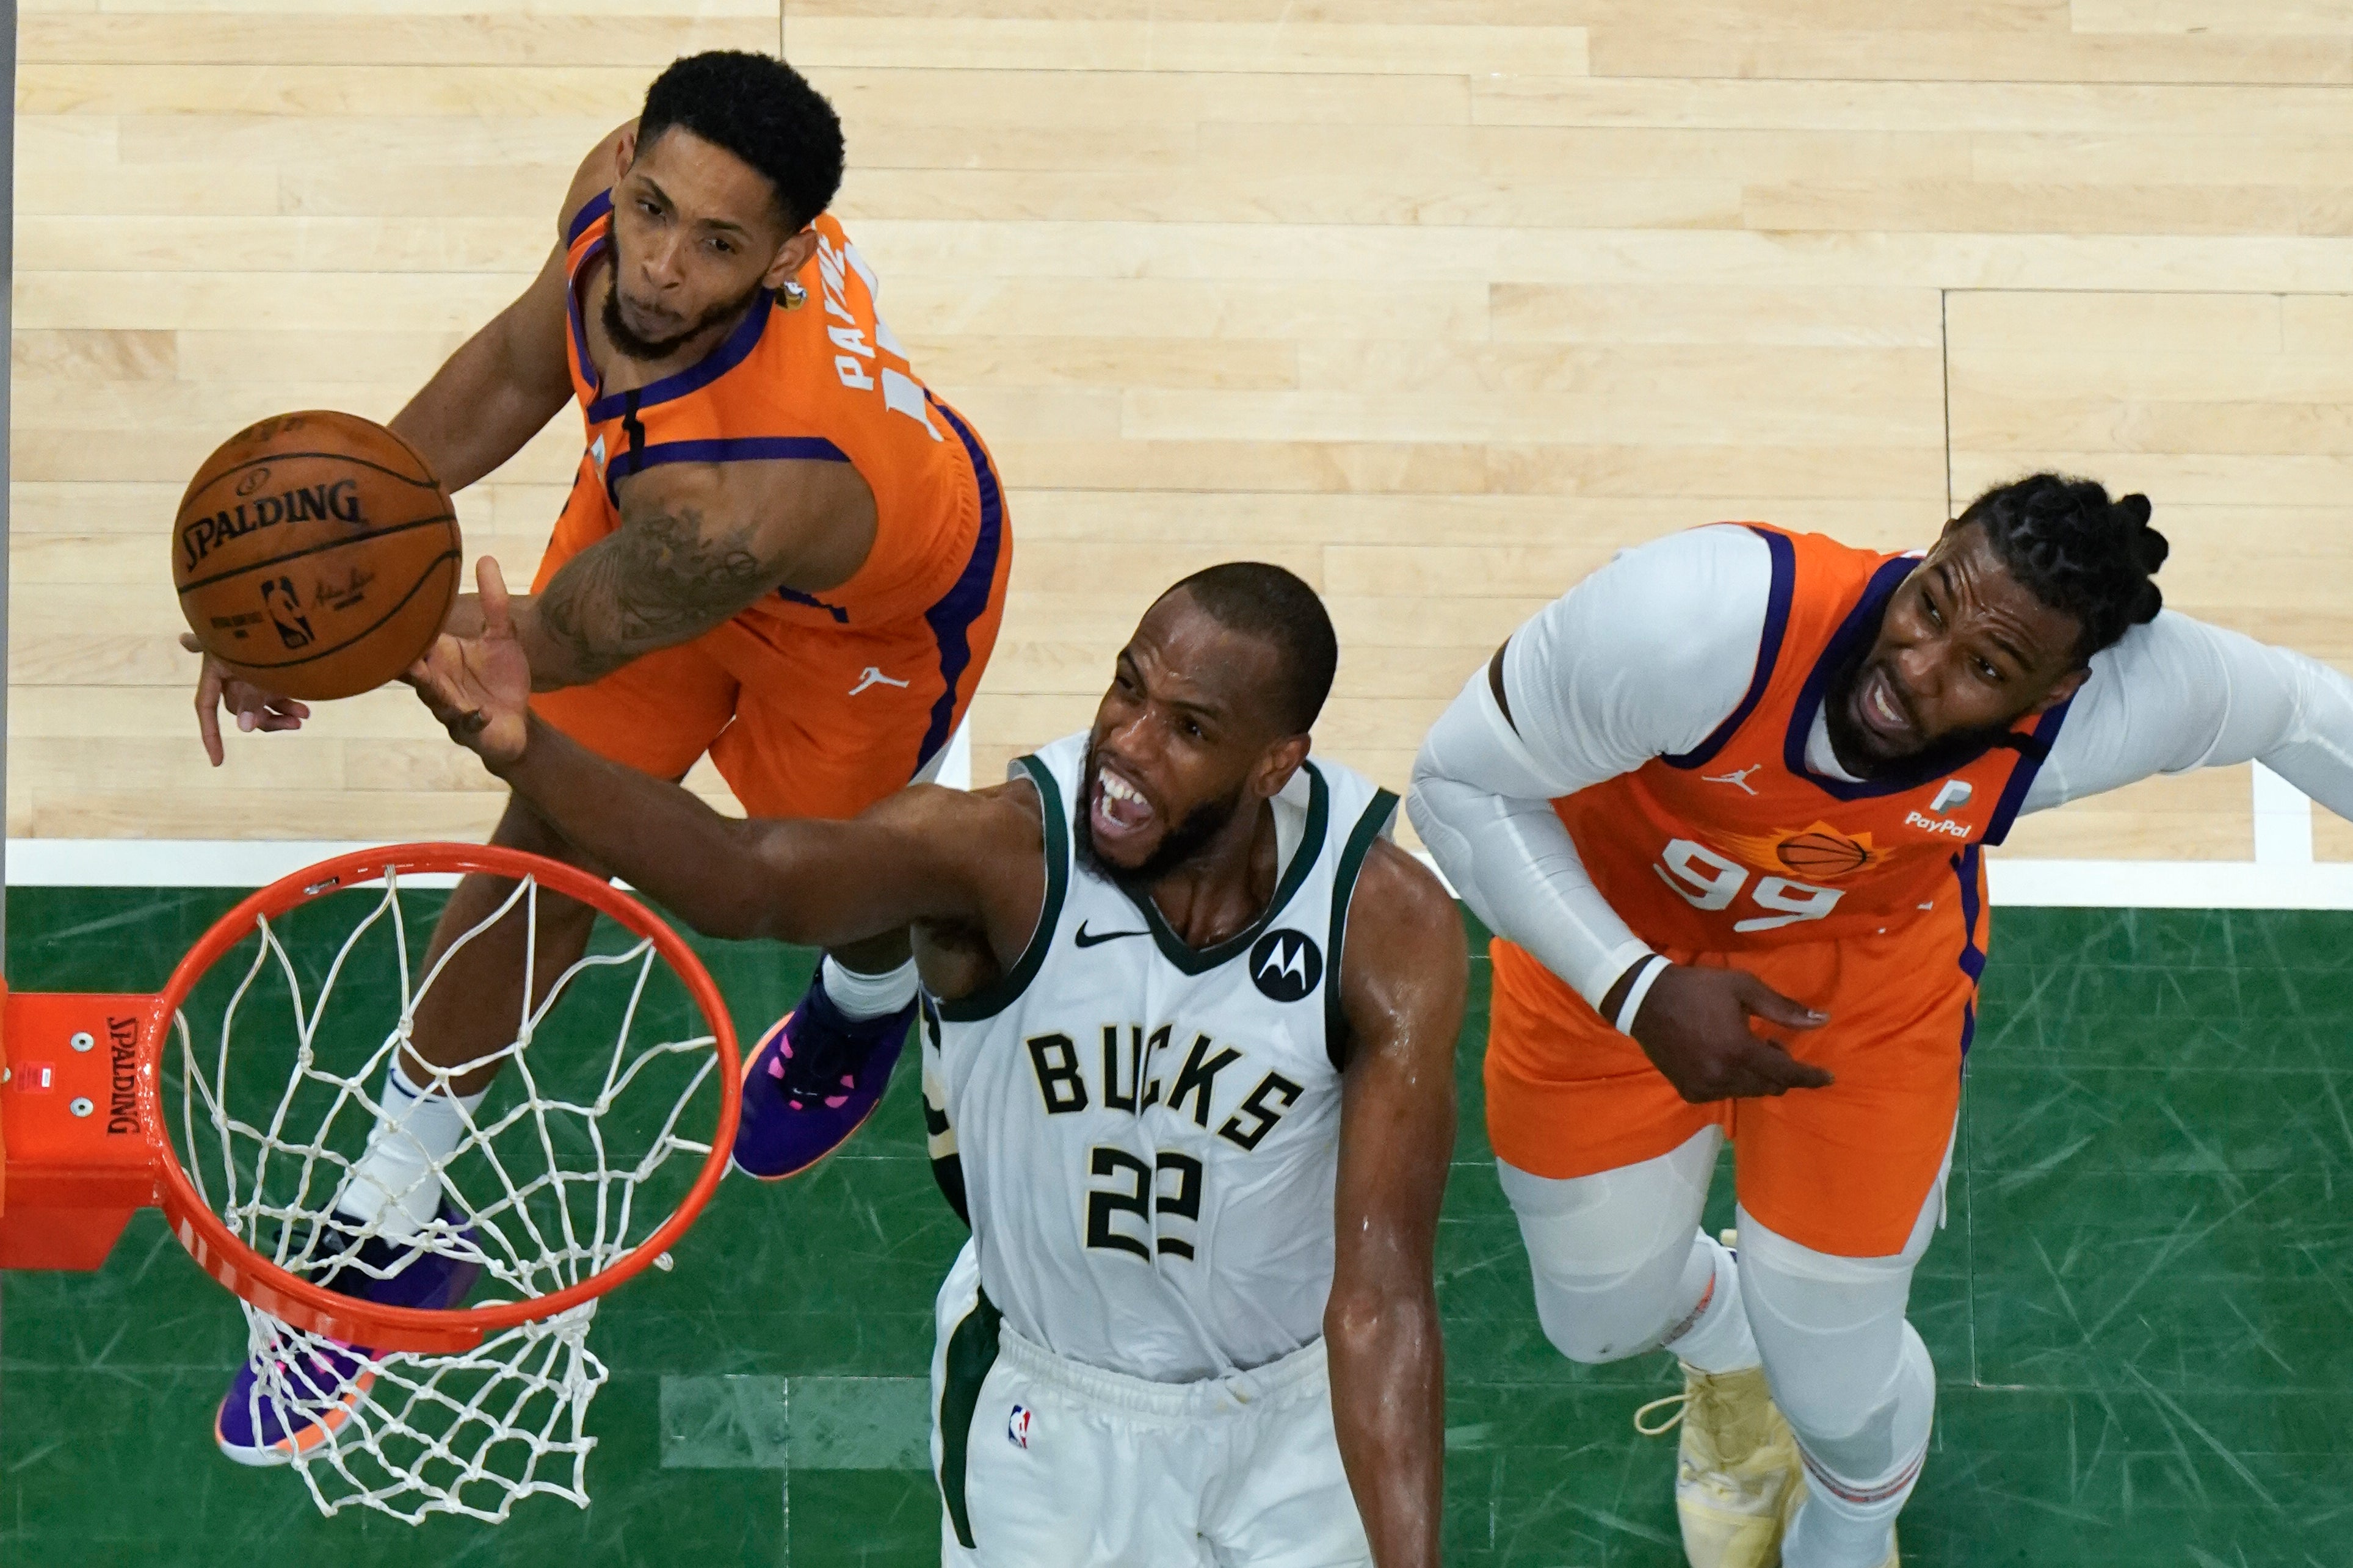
{"x":84,"y":1140}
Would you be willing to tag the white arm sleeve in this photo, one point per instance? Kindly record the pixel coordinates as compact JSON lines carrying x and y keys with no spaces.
{"x":1645,"y":657}
{"x":2178,"y":694}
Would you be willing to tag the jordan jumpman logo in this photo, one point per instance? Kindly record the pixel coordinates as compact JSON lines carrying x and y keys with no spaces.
{"x":1740,"y":778}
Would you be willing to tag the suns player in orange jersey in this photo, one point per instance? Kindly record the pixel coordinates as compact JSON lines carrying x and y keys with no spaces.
{"x":1724,"y":804}
{"x":780,"y":550}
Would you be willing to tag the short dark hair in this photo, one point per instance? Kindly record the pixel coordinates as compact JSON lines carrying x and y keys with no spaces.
{"x":2076,"y":549}
{"x":761,"y":110}
{"x":1274,"y":605}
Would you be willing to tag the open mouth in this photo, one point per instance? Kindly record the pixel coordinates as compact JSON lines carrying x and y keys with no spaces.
{"x":1118,"y":812}
{"x":1881,"y":711}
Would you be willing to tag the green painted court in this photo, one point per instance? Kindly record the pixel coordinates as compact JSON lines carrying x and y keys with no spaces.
{"x":2141,"y":1310}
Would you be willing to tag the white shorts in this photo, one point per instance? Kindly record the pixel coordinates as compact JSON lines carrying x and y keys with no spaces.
{"x":1043,"y":1462}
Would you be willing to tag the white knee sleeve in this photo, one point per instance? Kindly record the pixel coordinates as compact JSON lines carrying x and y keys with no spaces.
{"x":1832,"y":1334}
{"x":1617,"y":1260}
{"x":1852,"y":1377}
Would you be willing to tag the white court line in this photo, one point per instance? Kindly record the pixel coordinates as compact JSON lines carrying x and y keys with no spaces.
{"x":172,"y":862}
{"x":250,"y":863}
{"x":2282,"y":821}
{"x":2065,"y":884}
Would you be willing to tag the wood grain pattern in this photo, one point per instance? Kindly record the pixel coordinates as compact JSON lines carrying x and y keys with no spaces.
{"x":2230,"y":411}
{"x":1436,"y":302}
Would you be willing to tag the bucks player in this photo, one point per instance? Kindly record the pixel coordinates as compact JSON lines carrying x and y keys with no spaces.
{"x":1190,"y":1044}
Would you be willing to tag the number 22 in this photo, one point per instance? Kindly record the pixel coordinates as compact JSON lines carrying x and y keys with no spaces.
{"x":1708,"y":881}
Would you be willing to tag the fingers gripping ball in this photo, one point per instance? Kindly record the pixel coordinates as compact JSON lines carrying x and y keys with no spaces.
{"x":316,"y":554}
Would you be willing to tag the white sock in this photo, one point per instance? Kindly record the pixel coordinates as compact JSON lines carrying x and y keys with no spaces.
{"x":1849,"y":1524}
{"x":1716,"y":1337}
{"x":395,"y":1184}
{"x":869,"y":996}
{"x":1845,"y":1522}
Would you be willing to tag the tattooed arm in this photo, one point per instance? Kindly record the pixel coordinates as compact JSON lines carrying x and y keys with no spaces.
{"x":698,"y":544}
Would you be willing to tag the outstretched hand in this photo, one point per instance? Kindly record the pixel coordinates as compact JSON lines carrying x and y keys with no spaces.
{"x":480,"y":687}
{"x":1694,"y":1026}
{"x":254,"y":707}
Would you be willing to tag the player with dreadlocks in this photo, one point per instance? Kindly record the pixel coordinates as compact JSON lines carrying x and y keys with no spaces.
{"x":1724,"y":805}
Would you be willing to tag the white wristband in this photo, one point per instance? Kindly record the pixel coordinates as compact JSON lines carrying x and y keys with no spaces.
{"x":1653,"y":967}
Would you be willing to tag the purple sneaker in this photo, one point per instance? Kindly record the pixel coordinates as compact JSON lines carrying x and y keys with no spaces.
{"x":321,"y":1383}
{"x":815,"y":1079}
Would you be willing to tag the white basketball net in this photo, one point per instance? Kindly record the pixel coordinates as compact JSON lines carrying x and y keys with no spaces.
{"x":566,"y":1166}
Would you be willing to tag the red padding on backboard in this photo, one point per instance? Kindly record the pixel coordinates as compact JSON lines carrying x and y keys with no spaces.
{"x":75,"y":1162}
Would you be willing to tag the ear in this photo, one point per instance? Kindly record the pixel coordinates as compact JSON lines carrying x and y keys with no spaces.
{"x":625,"y":152}
{"x":2068,"y":685}
{"x":1275,"y":767}
{"x":793,"y":256}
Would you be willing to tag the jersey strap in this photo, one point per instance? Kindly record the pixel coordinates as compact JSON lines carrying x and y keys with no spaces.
{"x":1373,"y":825}
{"x":952,"y":616}
{"x":2035,"y":749}
{"x":1006,"y":988}
{"x":1969,"y":869}
{"x":1768,"y":650}
{"x":598,"y":206}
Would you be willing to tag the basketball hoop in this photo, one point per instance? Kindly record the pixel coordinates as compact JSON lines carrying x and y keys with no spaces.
{"x":592,"y":1153}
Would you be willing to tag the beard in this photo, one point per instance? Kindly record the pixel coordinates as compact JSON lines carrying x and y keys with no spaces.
{"x":1177,"y":847}
{"x":635,"y":346}
{"x":1859,"y":751}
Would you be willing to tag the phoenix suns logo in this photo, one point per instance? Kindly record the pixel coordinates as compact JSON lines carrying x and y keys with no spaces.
{"x":1818,"y":852}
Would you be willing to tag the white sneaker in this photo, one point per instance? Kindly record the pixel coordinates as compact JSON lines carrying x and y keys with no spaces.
{"x":1737,"y":1478}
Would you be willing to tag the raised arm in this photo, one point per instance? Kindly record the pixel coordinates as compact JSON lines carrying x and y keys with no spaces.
{"x":508,"y":380}
{"x":923,"y":855}
{"x":1402,"y":976}
{"x":2178,"y":694}
{"x":500,"y":387}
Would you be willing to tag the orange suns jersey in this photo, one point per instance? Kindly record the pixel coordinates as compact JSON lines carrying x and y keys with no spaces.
{"x":1739,"y":845}
{"x":812,"y":373}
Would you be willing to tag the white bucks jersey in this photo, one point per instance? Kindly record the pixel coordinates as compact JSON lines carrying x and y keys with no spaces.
{"x":1148,"y":1133}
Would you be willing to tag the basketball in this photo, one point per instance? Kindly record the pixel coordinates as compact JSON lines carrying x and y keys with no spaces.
{"x":316,"y":554}
{"x":1817,"y":854}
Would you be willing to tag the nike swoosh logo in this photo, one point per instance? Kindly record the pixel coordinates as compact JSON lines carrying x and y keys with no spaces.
{"x":1099,"y":938}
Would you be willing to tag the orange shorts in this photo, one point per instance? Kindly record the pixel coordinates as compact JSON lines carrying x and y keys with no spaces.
{"x":1842,"y":1170}
{"x":800,"y":719}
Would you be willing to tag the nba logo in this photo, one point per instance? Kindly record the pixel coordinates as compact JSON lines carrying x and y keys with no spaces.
{"x":1954,"y":796}
{"x":1017,"y":1427}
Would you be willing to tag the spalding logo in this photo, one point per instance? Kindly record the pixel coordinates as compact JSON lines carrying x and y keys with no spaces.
{"x":308,"y":503}
{"x":1285,"y":965}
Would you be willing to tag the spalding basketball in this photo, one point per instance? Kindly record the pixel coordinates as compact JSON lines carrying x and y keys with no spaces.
{"x":316,"y":554}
